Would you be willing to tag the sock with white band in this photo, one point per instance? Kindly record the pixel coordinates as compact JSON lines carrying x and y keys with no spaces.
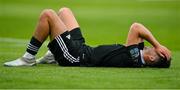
{"x":28,"y":55}
{"x":32,"y":48}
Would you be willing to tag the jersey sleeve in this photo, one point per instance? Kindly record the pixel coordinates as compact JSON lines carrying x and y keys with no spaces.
{"x":141,"y":45}
{"x":134,"y":54}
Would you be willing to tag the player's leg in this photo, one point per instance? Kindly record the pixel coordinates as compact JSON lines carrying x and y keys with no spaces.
{"x":48,"y":58}
{"x":49,"y":23}
{"x":67,"y":17}
{"x":52,"y":23}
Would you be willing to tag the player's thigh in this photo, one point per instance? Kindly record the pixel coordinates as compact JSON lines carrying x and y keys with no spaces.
{"x":68,"y":18}
{"x":56,"y":25}
{"x":65,"y":50}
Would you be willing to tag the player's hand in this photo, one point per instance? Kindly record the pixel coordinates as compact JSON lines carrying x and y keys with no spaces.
{"x":163,"y":52}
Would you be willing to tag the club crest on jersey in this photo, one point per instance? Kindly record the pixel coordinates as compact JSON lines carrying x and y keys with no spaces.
{"x":68,"y":36}
{"x":134,"y":53}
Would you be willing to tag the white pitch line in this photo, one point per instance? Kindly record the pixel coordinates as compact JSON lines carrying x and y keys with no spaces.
{"x":14,"y":43}
{"x":15,"y":40}
{"x":9,"y":53}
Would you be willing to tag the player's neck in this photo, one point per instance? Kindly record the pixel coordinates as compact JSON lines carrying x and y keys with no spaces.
{"x":146,"y":58}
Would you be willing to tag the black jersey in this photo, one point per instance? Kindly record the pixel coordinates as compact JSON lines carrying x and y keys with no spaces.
{"x":69,"y":49}
{"x":114,"y":56}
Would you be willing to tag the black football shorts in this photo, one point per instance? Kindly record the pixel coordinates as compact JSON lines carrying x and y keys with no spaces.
{"x":66,"y":47}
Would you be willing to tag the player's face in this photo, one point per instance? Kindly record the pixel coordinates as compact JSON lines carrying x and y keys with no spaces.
{"x":151,"y":55}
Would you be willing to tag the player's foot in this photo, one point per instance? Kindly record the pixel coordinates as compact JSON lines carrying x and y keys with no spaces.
{"x":48,"y":58}
{"x":21,"y":62}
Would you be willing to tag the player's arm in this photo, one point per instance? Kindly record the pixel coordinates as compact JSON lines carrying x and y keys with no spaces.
{"x":138,"y":33}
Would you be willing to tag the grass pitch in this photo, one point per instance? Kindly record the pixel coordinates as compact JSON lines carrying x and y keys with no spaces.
{"x":102,"y":22}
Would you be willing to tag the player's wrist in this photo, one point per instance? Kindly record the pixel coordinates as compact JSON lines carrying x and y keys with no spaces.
{"x":157,"y":45}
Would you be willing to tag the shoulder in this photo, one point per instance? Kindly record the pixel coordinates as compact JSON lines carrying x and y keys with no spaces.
{"x":134,"y":52}
{"x":139,"y":46}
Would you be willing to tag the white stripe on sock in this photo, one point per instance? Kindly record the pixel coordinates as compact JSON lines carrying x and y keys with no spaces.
{"x":35,"y":47}
{"x":32,"y":47}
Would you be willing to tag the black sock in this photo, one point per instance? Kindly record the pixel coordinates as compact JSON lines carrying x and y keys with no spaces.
{"x":33,"y":46}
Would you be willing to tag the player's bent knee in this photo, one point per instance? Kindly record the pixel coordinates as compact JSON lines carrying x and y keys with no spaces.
{"x":64,"y":10}
{"x":48,"y":13}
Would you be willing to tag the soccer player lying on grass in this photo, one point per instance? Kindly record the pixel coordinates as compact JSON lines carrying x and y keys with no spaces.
{"x":69,"y":49}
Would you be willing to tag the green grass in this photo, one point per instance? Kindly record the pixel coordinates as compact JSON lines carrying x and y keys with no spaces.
{"x":102,"y":22}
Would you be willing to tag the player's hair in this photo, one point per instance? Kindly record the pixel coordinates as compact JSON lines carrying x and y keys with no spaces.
{"x":159,"y":62}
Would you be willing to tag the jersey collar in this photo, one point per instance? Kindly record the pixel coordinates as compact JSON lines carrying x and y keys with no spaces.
{"x":142,"y":59}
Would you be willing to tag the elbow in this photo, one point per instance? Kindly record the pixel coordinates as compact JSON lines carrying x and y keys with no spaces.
{"x":135,"y":26}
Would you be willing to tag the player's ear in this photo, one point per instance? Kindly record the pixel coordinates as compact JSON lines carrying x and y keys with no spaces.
{"x":151,"y":58}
